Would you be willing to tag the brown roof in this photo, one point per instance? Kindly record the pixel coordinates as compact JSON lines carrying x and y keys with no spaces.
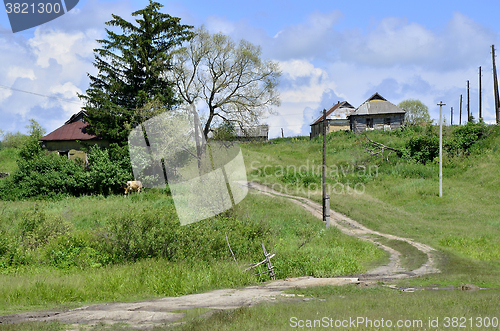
{"x":74,"y":129}
{"x":341,"y":115}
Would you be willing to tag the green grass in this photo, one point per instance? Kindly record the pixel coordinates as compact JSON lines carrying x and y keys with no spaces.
{"x":48,"y":288}
{"x":8,"y":157}
{"x":399,"y":197}
{"x":351,"y":302}
{"x":301,"y":243}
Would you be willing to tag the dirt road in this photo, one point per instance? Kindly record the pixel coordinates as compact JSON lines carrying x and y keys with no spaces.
{"x":144,"y":315}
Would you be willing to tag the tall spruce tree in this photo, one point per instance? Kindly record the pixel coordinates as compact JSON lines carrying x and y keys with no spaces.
{"x":132,"y":67}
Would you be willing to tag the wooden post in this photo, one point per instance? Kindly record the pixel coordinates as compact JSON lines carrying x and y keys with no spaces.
{"x":451,"y":121}
{"x":468,"y":103}
{"x":227,"y":240}
{"x":441,"y":104}
{"x":327,"y":207}
{"x":324,"y":164}
{"x":480,"y":96}
{"x":282,"y":136}
{"x":270,"y":268}
{"x":495,"y":86}
{"x":460,"y":117}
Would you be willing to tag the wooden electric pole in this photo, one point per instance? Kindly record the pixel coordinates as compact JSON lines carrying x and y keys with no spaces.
{"x":468,"y":103}
{"x":460,"y":117}
{"x":441,"y":104}
{"x":480,"y":101}
{"x":451,"y":121}
{"x":324,"y":166}
{"x":495,"y":86}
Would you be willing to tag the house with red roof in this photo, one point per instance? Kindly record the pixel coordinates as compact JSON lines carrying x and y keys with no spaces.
{"x":336,"y":119}
{"x":69,"y":139}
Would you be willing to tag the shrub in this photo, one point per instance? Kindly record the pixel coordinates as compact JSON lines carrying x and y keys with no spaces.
{"x":109,"y":169}
{"x":37,"y":229}
{"x":422,"y":149}
{"x":225,"y":132}
{"x":464,"y":137}
{"x":45,"y":176}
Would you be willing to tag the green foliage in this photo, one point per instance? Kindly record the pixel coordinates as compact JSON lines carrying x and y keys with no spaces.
{"x":416,"y":112}
{"x":35,"y":130}
{"x":149,"y":233}
{"x":50,"y":175}
{"x":464,"y":137}
{"x":44,"y":176}
{"x":109,"y":169}
{"x":132,"y":67}
{"x":225,"y":132}
{"x":422,"y":149}
{"x":14,"y":140}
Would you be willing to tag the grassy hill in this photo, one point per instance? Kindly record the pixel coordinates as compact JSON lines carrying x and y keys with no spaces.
{"x":71,"y":251}
{"x":401,"y":196}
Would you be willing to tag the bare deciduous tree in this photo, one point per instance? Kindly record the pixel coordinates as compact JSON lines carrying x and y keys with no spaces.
{"x":230,"y":78}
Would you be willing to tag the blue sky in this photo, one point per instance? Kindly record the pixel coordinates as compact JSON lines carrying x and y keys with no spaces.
{"x":328,"y":51}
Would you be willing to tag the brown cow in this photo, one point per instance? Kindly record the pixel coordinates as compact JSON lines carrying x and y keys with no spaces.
{"x":133,"y":186}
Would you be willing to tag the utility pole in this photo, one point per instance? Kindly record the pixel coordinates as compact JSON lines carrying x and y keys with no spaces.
{"x":480,"y":92}
{"x":495,"y":86}
{"x":441,"y":104}
{"x":324,"y":166}
{"x":460,"y":118}
{"x":468,"y":103}
{"x":451,"y":121}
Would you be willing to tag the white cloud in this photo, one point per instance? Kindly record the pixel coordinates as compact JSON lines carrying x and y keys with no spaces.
{"x":15,"y":72}
{"x":395,"y":41}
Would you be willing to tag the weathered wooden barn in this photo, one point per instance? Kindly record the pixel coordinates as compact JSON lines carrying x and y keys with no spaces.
{"x":69,"y":139}
{"x":336,"y":118}
{"x":376,"y":113}
{"x":258,"y":132}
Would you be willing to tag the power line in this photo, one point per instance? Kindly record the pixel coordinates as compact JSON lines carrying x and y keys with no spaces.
{"x":40,"y":95}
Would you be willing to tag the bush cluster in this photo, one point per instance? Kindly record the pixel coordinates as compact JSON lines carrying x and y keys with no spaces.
{"x":50,"y":175}
{"x":423,"y":144}
{"x":42,"y":240}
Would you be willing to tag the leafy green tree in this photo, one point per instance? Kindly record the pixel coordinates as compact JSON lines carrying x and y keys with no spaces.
{"x":31,"y":145}
{"x":225,"y":132}
{"x":132,"y":67}
{"x":14,"y":140}
{"x":230,"y":78}
{"x":416,"y":112}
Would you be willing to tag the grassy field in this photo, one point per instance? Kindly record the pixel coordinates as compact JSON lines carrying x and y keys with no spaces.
{"x":397,"y":197}
{"x":203,"y":261}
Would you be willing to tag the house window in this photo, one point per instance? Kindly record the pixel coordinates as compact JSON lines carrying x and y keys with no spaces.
{"x":387,"y":121}
{"x":369,"y":123}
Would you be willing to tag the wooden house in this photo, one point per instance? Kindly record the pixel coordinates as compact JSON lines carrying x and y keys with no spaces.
{"x":69,"y":139}
{"x":376,"y":113}
{"x":336,"y":117}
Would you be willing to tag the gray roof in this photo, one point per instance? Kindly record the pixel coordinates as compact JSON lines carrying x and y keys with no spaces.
{"x":377,"y":105}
